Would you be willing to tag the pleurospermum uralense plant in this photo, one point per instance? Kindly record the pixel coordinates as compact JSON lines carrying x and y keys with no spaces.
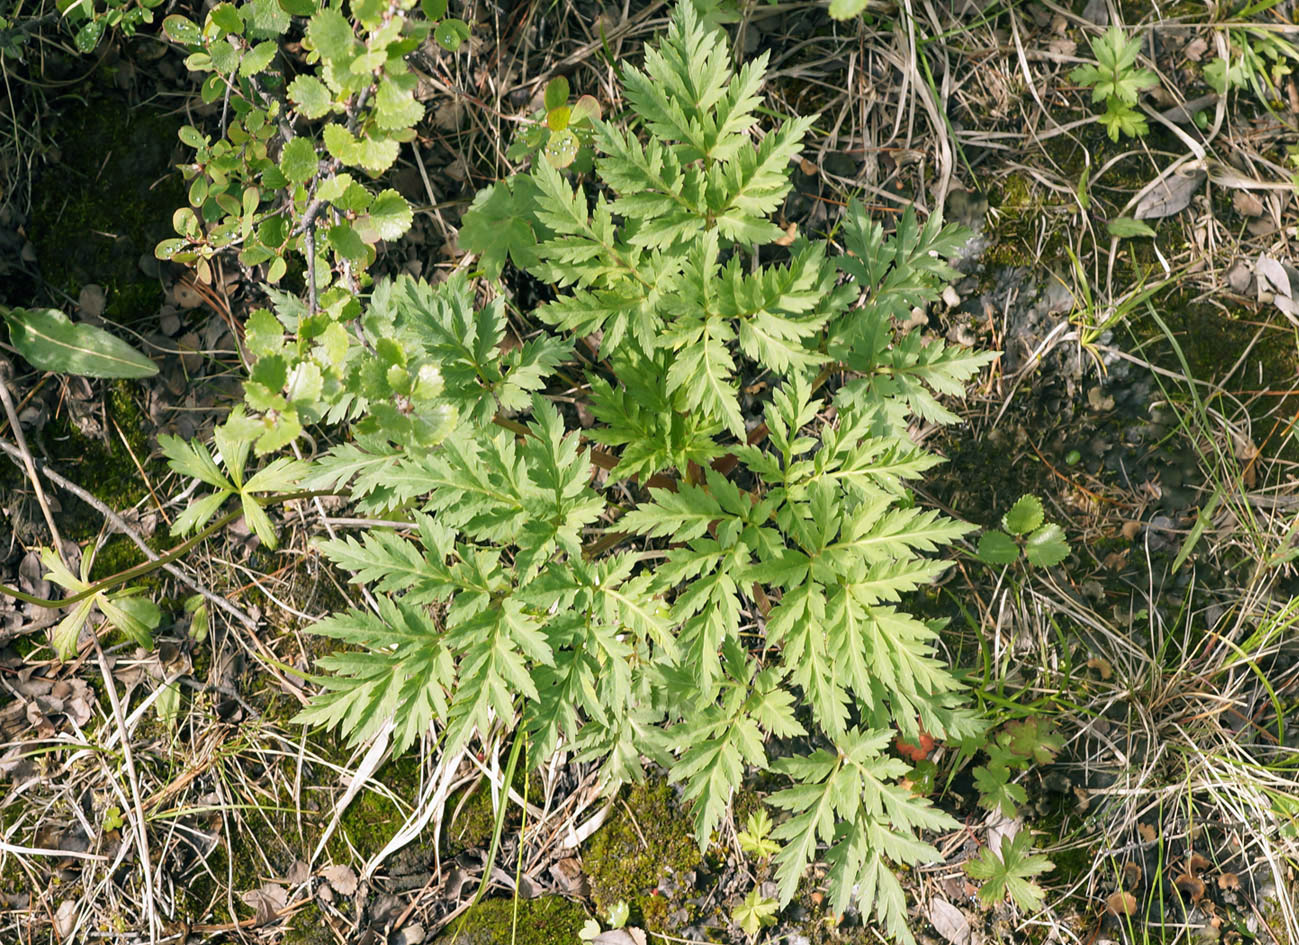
{"x":701,"y":584}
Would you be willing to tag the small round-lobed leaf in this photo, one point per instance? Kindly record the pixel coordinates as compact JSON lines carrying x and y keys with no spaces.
{"x":996,"y":547}
{"x":451,"y":33}
{"x":298,"y":160}
{"x":556,"y":93}
{"x":1024,"y":516}
{"x":1046,"y":547}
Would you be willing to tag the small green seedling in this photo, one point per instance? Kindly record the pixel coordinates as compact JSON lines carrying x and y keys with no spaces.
{"x":755,"y":913}
{"x":755,"y":838}
{"x":1115,"y":80}
{"x":1042,"y":544}
{"x":1011,"y":872}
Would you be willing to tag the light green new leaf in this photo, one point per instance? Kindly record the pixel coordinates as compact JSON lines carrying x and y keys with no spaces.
{"x":755,"y":913}
{"x":64,"y":636}
{"x":311,"y":96}
{"x":52,"y":342}
{"x":1128,"y":228}
{"x":298,"y":160}
{"x":133,"y":615}
{"x":1024,"y":516}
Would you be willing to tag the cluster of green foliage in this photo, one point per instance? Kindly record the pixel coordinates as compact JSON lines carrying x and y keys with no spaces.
{"x":1040,"y":543}
{"x":302,"y":129}
{"x":1115,"y":80}
{"x":732,"y":578}
{"x":708,"y":616}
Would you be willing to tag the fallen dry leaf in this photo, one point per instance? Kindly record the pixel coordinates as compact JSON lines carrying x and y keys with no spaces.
{"x":342,"y":878}
{"x":1171,"y":195}
{"x":1121,"y":903}
{"x":949,"y":922}
{"x":92,"y":301}
{"x":65,"y":919}
{"x":620,"y":937}
{"x":267,"y":902}
{"x":1247,"y":204}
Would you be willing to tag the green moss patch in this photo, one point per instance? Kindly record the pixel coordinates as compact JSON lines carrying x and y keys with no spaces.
{"x":549,"y":920}
{"x":647,"y":839}
{"x":107,"y":202}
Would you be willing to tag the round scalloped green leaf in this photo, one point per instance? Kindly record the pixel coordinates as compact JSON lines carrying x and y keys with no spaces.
{"x":298,"y":160}
{"x":347,"y":242}
{"x":1046,"y":547}
{"x":556,"y":93}
{"x":376,"y":155}
{"x":340,"y":143}
{"x":181,"y":29}
{"x":561,"y":149}
{"x":50,"y":341}
{"x":395,"y":107}
{"x":299,"y":7}
{"x":275,"y":272}
{"x":451,"y":33}
{"x":997,"y":548}
{"x":390,"y":215}
{"x":332,"y":36}
{"x":227,"y":18}
{"x":257,"y":58}
{"x":1024,"y":516}
{"x":434,"y":9}
{"x":584,"y":109}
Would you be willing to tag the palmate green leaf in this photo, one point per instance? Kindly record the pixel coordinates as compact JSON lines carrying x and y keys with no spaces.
{"x":50,"y":341}
{"x":191,"y":458}
{"x":1011,"y":872}
{"x":755,"y":913}
{"x":135,"y":616}
{"x":64,"y":636}
{"x":997,"y":792}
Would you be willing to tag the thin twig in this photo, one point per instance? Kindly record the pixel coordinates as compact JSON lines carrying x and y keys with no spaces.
{"x":121,"y":525}
{"x":26,"y":456}
{"x":141,"y":836}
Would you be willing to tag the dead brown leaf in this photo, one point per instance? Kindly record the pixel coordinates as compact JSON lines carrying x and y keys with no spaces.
{"x":949,"y":922}
{"x":342,"y":878}
{"x":1121,"y":903}
{"x":267,"y":902}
